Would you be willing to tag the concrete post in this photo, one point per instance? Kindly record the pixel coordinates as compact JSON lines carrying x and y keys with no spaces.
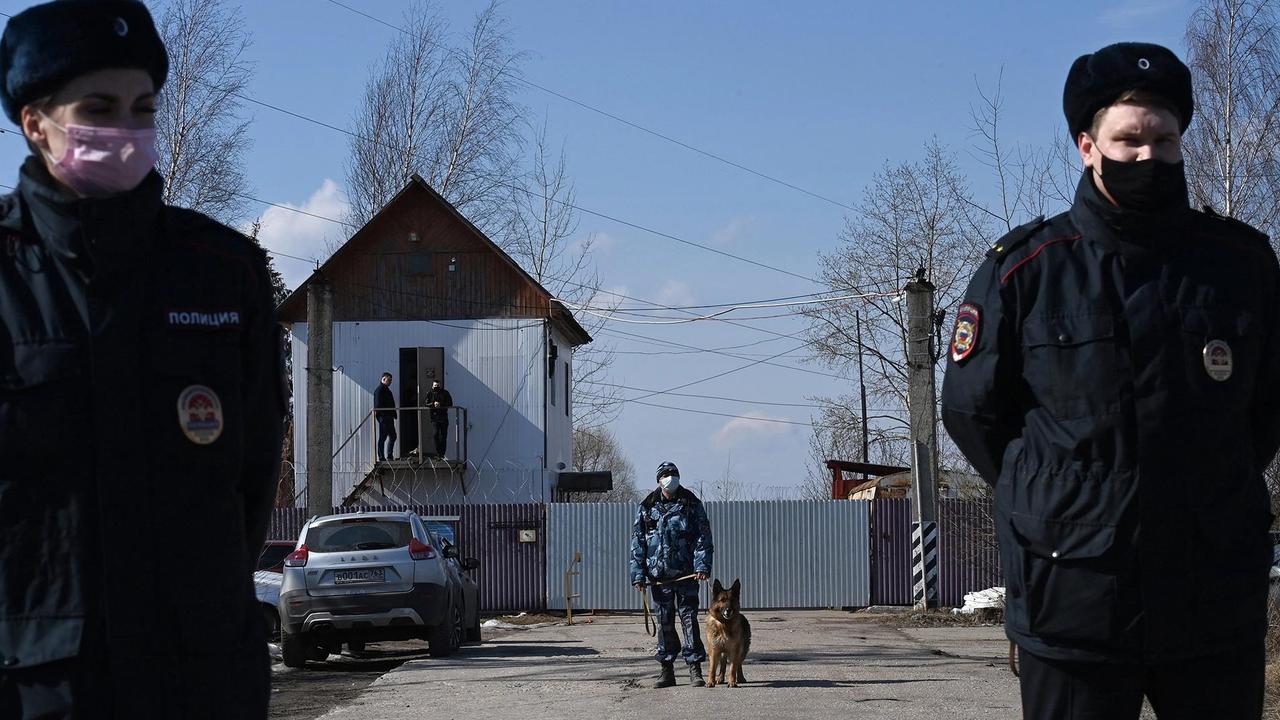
{"x":922,"y":401}
{"x":319,"y":397}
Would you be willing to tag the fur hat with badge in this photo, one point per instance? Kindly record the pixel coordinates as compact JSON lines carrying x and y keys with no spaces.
{"x":48,"y":45}
{"x":1097,"y":79}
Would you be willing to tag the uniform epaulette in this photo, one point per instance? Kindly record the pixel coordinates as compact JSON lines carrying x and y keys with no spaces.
{"x":1016,"y":237}
{"x":1240,"y":226}
{"x":195,"y":224}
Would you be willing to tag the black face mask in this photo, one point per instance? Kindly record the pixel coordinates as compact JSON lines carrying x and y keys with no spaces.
{"x":1145,"y":185}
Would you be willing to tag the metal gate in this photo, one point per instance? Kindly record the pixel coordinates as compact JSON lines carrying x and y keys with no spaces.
{"x":788,"y":554}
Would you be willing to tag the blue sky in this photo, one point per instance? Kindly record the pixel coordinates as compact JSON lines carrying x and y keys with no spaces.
{"x":820,"y":94}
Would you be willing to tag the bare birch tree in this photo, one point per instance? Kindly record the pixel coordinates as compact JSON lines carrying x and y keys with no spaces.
{"x":201,"y":133}
{"x":448,"y":115}
{"x":541,"y":226}
{"x":913,"y":215}
{"x":596,"y":448}
{"x":1029,"y":180}
{"x":1231,"y":146}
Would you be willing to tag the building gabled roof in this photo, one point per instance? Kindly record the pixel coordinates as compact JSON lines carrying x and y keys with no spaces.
{"x":294,"y":307}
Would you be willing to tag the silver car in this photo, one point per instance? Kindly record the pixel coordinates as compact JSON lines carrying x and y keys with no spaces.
{"x":370,"y":576}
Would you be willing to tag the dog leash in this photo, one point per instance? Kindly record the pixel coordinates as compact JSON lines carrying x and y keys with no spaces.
{"x":651,"y":626}
{"x":1013,"y":660}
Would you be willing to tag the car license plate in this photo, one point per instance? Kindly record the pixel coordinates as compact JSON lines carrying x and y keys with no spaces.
{"x":364,"y":575}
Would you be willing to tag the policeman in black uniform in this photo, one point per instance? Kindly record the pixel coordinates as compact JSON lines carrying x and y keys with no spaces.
{"x":386,"y":418}
{"x":1114,"y":372}
{"x":439,"y":400}
{"x":141,"y":398}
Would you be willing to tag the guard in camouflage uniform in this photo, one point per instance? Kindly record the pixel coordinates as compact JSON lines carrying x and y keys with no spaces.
{"x":672,"y":539}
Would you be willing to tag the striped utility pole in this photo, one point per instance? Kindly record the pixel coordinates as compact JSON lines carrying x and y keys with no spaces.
{"x":922,"y":404}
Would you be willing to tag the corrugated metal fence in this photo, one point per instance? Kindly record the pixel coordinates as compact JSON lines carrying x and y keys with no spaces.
{"x":511,"y":574}
{"x":891,"y":552}
{"x":968,"y":559}
{"x":787,"y":553}
{"x":825,"y":566}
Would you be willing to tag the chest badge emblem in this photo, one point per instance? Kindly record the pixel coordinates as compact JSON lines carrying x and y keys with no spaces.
{"x":200,"y":414}
{"x":965,"y":337}
{"x":1217,"y":360}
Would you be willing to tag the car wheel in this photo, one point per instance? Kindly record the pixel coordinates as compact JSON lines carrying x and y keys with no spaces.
{"x":320,"y":653}
{"x":271,"y":617}
{"x":296,"y":649}
{"x":356,"y":647}
{"x":447,"y":636}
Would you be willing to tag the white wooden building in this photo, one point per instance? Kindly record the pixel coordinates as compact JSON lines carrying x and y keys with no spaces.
{"x":421,"y":293}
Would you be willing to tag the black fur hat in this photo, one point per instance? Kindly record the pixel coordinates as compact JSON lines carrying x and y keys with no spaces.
{"x":48,"y":45}
{"x":1096,"y":80}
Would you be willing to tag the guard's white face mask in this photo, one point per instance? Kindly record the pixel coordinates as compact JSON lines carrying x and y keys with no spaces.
{"x":670,"y":483}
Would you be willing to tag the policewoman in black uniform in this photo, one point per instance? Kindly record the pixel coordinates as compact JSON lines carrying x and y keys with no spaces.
{"x":1114,"y":372}
{"x":141,"y":398}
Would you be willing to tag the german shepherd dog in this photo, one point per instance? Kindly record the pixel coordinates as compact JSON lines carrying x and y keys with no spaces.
{"x":728,"y":634}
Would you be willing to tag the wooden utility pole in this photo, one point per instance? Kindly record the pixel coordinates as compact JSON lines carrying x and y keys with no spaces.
{"x":922,"y":405}
{"x":862,"y":390}
{"x":319,"y":397}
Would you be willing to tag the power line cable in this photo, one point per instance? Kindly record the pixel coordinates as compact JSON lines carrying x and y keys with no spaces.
{"x":746,"y":401}
{"x":499,"y":183}
{"x":614,"y":117}
{"x":723,"y":320}
{"x":756,"y":418}
{"x":600,"y":312}
{"x":767,"y":361}
{"x":716,"y":376}
{"x":710,"y":306}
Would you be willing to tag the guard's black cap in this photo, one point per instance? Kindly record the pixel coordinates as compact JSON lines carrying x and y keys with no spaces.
{"x":1096,"y":80}
{"x":667,"y":468}
{"x":48,"y":45}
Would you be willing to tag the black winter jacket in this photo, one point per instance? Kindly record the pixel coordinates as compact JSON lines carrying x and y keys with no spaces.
{"x":1116,"y":377}
{"x":141,"y":401}
{"x":442,"y":396}
{"x":383,"y":398}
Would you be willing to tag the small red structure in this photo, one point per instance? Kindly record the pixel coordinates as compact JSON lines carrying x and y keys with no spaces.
{"x":841,"y":487}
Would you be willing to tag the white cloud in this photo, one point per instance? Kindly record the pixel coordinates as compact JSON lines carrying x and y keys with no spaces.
{"x":601,"y":243}
{"x":675,"y":293}
{"x":1136,"y":12}
{"x":752,"y":425}
{"x":611,"y":296}
{"x":733,"y":231}
{"x":292,"y":233}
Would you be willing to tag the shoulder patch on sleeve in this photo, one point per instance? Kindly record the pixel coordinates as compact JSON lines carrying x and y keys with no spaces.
{"x":1016,"y":237}
{"x":964,"y":339}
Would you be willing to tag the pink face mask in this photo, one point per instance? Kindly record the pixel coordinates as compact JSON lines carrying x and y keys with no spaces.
{"x":105,"y":161}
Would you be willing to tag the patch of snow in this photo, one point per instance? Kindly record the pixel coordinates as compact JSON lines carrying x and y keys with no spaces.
{"x":981,"y":599}
{"x":496,"y":624}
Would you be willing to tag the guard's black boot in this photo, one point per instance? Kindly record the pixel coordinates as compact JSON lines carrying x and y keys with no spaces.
{"x":695,"y":675}
{"x":667,"y":677}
